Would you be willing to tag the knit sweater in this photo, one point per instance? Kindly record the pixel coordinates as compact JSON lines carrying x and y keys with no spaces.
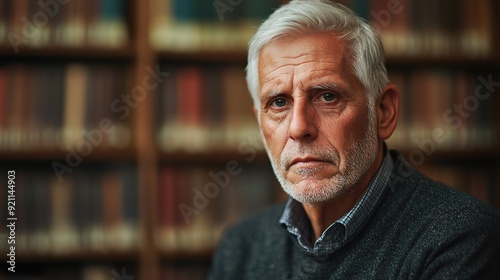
{"x":421,"y":229}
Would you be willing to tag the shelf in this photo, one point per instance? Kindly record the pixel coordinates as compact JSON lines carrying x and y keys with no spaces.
{"x":56,"y":154}
{"x":222,"y":57}
{"x":216,"y":157}
{"x":143,"y":168}
{"x":185,"y":256}
{"x":458,"y":156}
{"x":489,"y":155}
{"x":458,"y":62}
{"x":115,"y":256}
{"x":59,"y":52}
{"x":240,"y":57}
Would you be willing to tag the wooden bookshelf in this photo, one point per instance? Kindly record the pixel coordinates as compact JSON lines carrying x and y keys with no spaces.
{"x":450,"y":62}
{"x":120,"y":155}
{"x":462,"y":158}
{"x":59,"y":52}
{"x":230,"y":56}
{"x":150,"y":160}
{"x":103,"y":163}
{"x":80,"y":257}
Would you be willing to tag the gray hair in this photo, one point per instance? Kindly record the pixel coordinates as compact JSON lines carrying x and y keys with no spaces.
{"x":318,"y":16}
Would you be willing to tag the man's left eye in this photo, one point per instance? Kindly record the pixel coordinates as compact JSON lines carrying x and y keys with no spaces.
{"x":328,"y":96}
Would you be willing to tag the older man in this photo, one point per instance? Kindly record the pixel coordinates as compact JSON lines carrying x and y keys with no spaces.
{"x":357,"y":210}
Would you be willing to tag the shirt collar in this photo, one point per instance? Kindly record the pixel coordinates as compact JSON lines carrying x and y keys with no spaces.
{"x":295,"y":220}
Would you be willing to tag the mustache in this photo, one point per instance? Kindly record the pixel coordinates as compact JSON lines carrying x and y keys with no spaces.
{"x":302,"y":150}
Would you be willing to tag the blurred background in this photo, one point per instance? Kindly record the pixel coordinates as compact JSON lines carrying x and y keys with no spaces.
{"x":130,"y":128}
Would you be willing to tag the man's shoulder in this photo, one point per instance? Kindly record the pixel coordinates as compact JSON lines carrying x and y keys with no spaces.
{"x":429,"y":199}
{"x":260,"y":232}
{"x":448,"y":232}
{"x":259,"y":223}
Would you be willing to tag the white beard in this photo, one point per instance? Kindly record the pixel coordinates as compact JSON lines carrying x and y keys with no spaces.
{"x":359,"y":157}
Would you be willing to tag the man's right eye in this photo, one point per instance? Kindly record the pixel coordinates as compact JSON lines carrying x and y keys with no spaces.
{"x":279,"y":102}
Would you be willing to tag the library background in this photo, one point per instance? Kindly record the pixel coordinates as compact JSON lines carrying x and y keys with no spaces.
{"x":130,"y":130}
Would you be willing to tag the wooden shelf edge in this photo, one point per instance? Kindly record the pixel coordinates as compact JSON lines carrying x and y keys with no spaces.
{"x":240,"y":56}
{"x":127,"y":154}
{"x":403,"y":61}
{"x":211,"y":56}
{"x":261,"y":156}
{"x":80,"y":52}
{"x":108,"y":256}
{"x":187,"y":256}
{"x":212,"y":157}
{"x":455,"y":156}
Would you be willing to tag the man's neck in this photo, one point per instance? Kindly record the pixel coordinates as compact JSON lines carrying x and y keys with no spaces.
{"x":323,"y":214}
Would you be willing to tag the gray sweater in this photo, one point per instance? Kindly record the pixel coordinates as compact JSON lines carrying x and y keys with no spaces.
{"x":421,"y":230}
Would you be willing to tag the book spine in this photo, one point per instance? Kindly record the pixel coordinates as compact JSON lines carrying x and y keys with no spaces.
{"x":74,"y":103}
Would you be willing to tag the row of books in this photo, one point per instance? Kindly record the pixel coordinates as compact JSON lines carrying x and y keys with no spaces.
{"x":59,"y":105}
{"x":451,"y":110}
{"x":208,"y":108}
{"x":94,"y":209}
{"x":432,"y":28}
{"x":196,"y":203}
{"x":99,"y":23}
{"x":204,"y":108}
{"x":187,"y":25}
{"x":408,"y":28}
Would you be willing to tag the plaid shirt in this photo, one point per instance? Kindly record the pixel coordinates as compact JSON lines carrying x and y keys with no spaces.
{"x":295,"y":219}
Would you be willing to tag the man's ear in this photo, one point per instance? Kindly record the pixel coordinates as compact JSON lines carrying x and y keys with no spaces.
{"x":387,"y":108}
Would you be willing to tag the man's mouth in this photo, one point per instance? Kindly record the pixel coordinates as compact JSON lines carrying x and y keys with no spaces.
{"x":307,"y":162}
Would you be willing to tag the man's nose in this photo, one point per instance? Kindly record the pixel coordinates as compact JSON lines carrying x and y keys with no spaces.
{"x":303,"y":123}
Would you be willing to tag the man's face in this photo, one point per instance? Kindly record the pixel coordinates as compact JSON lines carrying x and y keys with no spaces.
{"x":314,"y":117}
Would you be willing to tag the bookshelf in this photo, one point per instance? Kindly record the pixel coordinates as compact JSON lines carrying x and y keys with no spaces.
{"x":151,"y":197}
{"x":63,"y":66}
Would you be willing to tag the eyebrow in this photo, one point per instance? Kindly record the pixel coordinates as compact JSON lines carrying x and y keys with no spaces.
{"x":325,"y":86}
{"x":273,"y":93}
{"x":322,"y":86}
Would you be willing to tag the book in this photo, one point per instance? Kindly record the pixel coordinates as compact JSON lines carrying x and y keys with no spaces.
{"x":129,"y":229}
{"x":64,"y":237}
{"x":4,"y":97}
{"x":205,"y":109}
{"x":76,"y":81}
{"x":112,"y":210}
{"x":191,"y":100}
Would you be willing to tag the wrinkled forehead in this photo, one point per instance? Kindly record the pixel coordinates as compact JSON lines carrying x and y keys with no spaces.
{"x":307,"y":56}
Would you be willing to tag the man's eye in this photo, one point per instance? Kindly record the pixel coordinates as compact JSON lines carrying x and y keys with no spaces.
{"x":328,"y":97}
{"x":279,"y":102}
